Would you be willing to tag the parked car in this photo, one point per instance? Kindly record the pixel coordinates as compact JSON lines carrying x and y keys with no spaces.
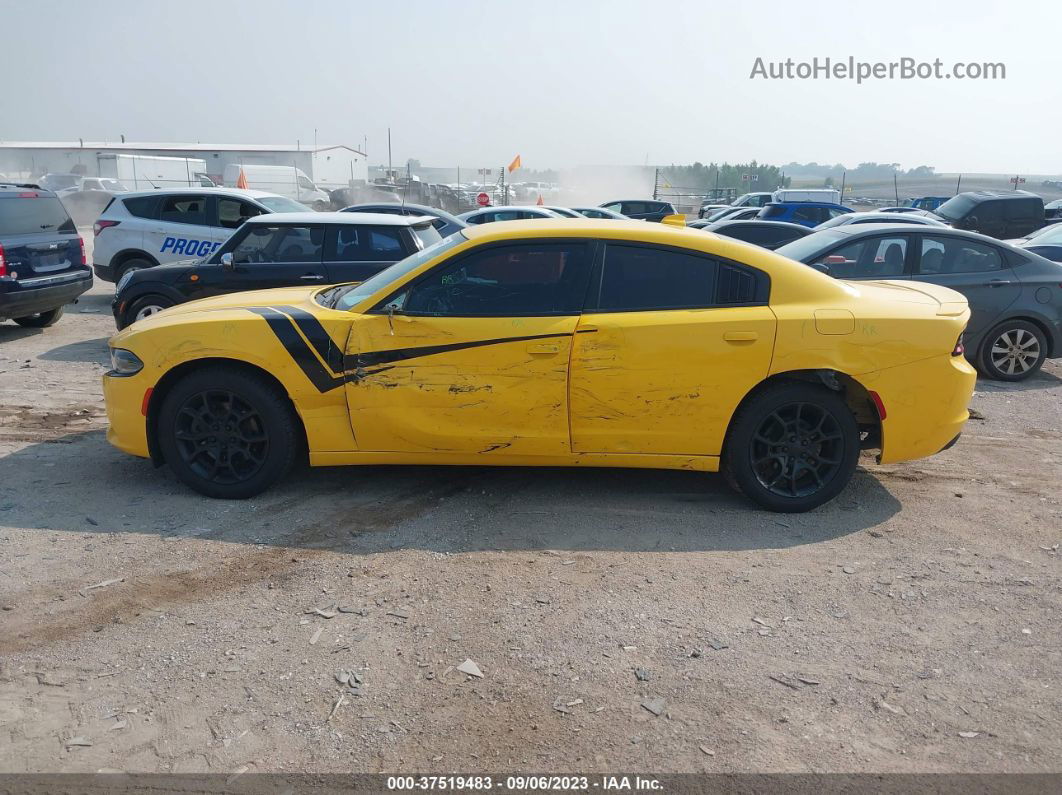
{"x":488,"y":215}
{"x":444,"y":223}
{"x":287,"y":181}
{"x":42,"y":257}
{"x":802,"y":212}
{"x":601,"y":213}
{"x":566,"y":212}
{"x":144,"y":229}
{"x":766,"y":234}
{"x":1053,"y":211}
{"x":733,"y":214}
{"x":1047,"y":242}
{"x":58,"y":182}
{"x":553,"y":343}
{"x":880,"y":218}
{"x":755,"y":199}
{"x":1015,"y":295}
{"x":87,"y":200}
{"x":641,"y":209}
{"x":929,"y":203}
{"x":899,"y":210}
{"x":709,"y":207}
{"x":284,"y":250}
{"x":996,"y":213}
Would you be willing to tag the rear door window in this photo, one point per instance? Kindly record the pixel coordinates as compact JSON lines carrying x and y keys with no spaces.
{"x":366,"y":244}
{"x":184,"y":210}
{"x":941,"y":255}
{"x":643,"y":278}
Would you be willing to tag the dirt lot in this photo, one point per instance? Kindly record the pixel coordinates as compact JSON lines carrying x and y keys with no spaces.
{"x":911,"y":625}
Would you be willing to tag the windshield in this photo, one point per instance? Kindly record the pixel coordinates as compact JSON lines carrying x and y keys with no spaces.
{"x":33,"y":216}
{"x":803,"y":249}
{"x":955,"y":208}
{"x":345,"y":298}
{"x":1047,"y":234}
{"x":279,"y":204}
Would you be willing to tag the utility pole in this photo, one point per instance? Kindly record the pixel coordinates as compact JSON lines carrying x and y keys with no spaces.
{"x":656,"y":183}
{"x":957,"y":184}
{"x":844,"y":177}
{"x":895,"y":187}
{"x":390,"y":175}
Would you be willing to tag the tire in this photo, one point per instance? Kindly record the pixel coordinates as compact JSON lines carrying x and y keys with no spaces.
{"x":228,"y":434}
{"x":41,"y":319}
{"x":133,"y":264}
{"x":775,"y":435}
{"x":145,"y":306}
{"x":1012,"y":351}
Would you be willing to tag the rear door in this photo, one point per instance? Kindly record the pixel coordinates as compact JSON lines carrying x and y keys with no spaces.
{"x":977,"y":270}
{"x":180,"y":229}
{"x":38,"y":237}
{"x":353,"y":253}
{"x":668,"y":344}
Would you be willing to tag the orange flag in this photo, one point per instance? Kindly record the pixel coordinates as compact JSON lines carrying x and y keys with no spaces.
{"x":241,"y":181}
{"x":515,"y":164}
{"x":540,"y":202}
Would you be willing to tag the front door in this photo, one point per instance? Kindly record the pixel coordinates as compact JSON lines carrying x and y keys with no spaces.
{"x":474,"y":359}
{"x":977,"y":270}
{"x":669,"y":344}
{"x":265,"y":256}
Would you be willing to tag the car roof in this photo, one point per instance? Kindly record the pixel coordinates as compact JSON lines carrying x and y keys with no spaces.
{"x":804,"y":204}
{"x":245,"y":192}
{"x":895,"y":228}
{"x":617,"y":201}
{"x":350,"y":219}
{"x":548,"y":213}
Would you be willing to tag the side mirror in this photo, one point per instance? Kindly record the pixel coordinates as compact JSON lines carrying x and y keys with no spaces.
{"x":227,"y":261}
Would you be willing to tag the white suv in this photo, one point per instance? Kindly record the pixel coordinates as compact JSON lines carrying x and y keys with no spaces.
{"x":141,"y":230}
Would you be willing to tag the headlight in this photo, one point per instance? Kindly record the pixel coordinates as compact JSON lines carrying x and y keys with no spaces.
{"x":125,"y":362}
{"x":123,"y":281}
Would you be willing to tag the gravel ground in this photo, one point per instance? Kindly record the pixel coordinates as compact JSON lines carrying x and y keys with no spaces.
{"x":910,"y":625}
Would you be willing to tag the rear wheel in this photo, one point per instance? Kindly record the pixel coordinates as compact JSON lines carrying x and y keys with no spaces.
{"x":792,"y":447}
{"x":41,"y":319}
{"x":227,"y":434}
{"x":1012,"y":351}
{"x":145,"y":307}
{"x":130,"y":265}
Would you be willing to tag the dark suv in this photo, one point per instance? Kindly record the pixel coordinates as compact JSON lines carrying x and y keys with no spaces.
{"x":641,"y":209}
{"x":42,"y":257}
{"x":996,"y":213}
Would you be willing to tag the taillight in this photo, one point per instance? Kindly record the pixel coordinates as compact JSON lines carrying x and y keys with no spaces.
{"x":960,"y":348}
{"x":3,"y":261}
{"x":99,"y":226}
{"x":875,"y":398}
{"x":81,"y":242}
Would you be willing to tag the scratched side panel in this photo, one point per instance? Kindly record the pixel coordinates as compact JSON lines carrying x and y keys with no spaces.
{"x":470,"y":385}
{"x":665,"y":381}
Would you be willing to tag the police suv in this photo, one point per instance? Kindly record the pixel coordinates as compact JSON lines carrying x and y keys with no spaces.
{"x":141,"y":230}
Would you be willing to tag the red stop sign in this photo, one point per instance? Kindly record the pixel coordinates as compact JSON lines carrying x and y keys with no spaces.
{"x":483,"y":200}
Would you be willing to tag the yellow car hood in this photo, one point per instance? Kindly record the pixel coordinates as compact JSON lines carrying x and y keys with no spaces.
{"x":279,"y":295}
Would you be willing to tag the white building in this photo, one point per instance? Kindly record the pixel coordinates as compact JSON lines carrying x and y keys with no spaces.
{"x":330,"y":166}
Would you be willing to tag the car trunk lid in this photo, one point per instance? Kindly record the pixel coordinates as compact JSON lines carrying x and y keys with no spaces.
{"x":947,"y":302}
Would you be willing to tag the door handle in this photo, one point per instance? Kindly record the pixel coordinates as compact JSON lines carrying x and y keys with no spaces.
{"x":312,"y":277}
{"x":544,"y":348}
{"x":741,"y":336}
{"x":997,"y":282}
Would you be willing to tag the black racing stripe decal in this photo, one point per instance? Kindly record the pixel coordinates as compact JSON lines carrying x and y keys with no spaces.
{"x":372,"y":358}
{"x":283,"y":320}
{"x":311,"y":328}
{"x":296,"y":346}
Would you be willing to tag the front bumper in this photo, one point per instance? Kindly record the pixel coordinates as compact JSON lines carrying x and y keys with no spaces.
{"x":126,"y":398}
{"x":24,"y":298}
{"x":926,"y":405}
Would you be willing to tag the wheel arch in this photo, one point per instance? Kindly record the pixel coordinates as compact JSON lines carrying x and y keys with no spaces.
{"x":856,"y":396}
{"x":174,"y":375}
{"x":123,"y":256}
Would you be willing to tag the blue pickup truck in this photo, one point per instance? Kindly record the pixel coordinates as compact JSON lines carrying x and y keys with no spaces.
{"x":42,"y":257}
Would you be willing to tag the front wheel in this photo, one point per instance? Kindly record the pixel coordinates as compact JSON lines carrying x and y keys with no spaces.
{"x":792,"y":447}
{"x":228,"y":434}
{"x":41,"y":319}
{"x":1012,"y":351}
{"x":145,"y":307}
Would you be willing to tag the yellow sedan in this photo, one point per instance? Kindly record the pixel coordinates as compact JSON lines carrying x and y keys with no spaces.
{"x":552,"y":343}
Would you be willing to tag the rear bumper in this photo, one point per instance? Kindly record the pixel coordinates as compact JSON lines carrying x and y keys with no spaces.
{"x":925,"y":405}
{"x":105,"y":272}
{"x":30,"y":296}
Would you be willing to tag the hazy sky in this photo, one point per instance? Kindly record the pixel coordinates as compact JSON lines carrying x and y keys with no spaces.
{"x":561,"y":83}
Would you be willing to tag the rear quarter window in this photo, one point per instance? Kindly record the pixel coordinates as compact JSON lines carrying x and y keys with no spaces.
{"x":142,"y":206}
